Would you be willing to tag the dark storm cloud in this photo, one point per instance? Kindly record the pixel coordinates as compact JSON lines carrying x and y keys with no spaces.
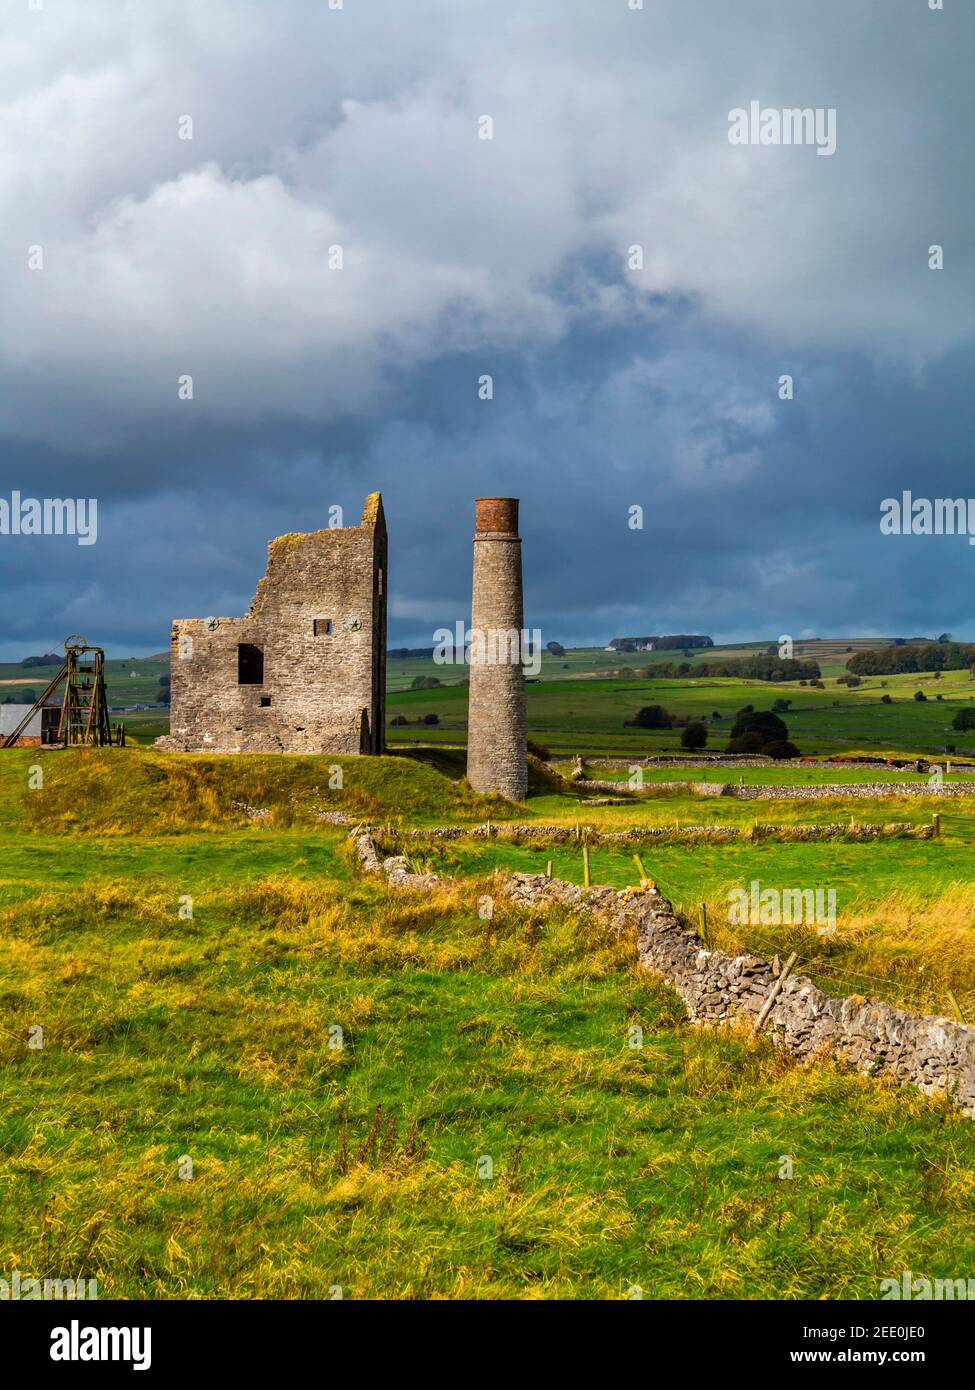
{"x":613,"y":387}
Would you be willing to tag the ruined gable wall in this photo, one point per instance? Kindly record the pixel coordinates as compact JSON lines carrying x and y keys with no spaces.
{"x":318,"y":685}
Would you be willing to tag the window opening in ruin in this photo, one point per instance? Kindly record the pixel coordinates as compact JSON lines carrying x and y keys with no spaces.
{"x":250,"y":664}
{"x":323,"y":627}
{"x":265,"y":702}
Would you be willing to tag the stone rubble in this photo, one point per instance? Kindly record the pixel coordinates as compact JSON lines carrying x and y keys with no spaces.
{"x":396,"y":868}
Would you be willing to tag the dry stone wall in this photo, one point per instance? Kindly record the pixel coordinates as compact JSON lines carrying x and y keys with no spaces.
{"x":396,"y":868}
{"x":794,"y":792}
{"x":932,"y":1053}
{"x":826,"y":791}
{"x":638,"y":834}
{"x":719,"y":760}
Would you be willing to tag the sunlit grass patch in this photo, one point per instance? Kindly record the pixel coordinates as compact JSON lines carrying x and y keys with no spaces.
{"x":463,"y":1038}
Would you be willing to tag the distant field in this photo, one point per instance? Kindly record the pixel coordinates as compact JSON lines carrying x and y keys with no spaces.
{"x":580,"y":704}
{"x":581,"y":663}
{"x":590,"y":715}
{"x":578,"y":663}
{"x":129,"y":682}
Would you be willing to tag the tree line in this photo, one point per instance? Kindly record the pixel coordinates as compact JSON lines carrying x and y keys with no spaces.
{"x":754,"y":668}
{"x":889,"y":661}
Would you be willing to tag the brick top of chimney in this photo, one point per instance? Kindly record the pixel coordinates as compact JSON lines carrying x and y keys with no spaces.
{"x":496,"y":514}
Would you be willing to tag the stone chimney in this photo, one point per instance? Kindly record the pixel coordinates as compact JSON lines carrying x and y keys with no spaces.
{"x":496,"y":724}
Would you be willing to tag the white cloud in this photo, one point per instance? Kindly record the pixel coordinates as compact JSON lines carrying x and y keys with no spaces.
{"x":358,"y":127}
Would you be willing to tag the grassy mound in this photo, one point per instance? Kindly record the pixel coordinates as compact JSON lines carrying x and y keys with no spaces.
{"x":452,"y":762}
{"x":111,"y":791}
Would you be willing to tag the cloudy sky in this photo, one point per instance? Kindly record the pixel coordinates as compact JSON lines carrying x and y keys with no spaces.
{"x":361,"y":127}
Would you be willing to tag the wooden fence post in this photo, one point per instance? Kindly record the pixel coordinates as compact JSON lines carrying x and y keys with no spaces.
{"x":585,"y":866}
{"x":773,"y":993}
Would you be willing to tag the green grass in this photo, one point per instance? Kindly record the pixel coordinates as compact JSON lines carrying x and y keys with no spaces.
{"x":134,"y":681}
{"x":315,"y":1167}
{"x":131,"y":791}
{"x":920,"y":876}
{"x":589,"y":715}
{"x":687,"y":873}
{"x":208,"y":1036}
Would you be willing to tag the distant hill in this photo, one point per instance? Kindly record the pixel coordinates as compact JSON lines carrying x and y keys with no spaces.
{"x":51,"y":659}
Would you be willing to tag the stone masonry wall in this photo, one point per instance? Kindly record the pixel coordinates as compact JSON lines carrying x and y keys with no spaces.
{"x":720,"y":760}
{"x":822,"y":791}
{"x":321,"y":692}
{"x":525,"y":833}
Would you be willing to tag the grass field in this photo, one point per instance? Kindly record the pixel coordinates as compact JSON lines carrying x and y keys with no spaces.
{"x":582,"y":662}
{"x":589,"y":715}
{"x":315,"y":1166}
{"x":134,"y":681}
{"x":581,"y":703}
{"x":189,"y":931}
{"x":207,"y":1038}
{"x":905,"y":908}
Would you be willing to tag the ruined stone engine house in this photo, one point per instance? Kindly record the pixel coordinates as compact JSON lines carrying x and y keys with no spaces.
{"x":305,"y":670}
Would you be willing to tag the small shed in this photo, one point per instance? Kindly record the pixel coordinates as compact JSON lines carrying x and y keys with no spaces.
{"x":43,"y":727}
